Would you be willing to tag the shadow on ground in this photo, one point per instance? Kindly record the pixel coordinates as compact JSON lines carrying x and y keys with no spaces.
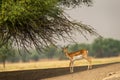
{"x":38,"y":74}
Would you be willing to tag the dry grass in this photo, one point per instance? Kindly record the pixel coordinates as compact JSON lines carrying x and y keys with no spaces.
{"x":54,"y":64}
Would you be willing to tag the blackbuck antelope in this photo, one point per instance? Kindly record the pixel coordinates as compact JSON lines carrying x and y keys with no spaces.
{"x":81,"y":54}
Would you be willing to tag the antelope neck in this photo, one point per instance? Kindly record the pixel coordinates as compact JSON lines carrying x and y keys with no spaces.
{"x":66,"y":53}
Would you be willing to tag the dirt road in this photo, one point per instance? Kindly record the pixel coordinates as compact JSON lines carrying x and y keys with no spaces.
{"x":99,"y":72}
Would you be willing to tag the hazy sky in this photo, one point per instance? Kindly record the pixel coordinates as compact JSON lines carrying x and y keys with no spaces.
{"x":104,"y":16}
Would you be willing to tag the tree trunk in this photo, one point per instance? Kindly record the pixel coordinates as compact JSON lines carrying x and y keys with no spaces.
{"x":4,"y":60}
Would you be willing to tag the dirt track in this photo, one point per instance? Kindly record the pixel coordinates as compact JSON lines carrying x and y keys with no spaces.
{"x":99,"y":72}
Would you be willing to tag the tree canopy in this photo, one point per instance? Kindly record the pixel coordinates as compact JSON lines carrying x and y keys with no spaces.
{"x":39,"y":22}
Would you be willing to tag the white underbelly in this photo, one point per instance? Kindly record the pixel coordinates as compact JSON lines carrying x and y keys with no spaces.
{"x":77,"y":57}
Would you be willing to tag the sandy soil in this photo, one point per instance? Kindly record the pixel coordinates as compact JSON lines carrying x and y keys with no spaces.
{"x":99,"y":72}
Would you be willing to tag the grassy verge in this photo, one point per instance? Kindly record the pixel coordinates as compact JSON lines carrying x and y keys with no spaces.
{"x":54,"y":64}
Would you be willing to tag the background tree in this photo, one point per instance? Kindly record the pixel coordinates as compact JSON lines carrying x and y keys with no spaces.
{"x":50,"y":51}
{"x":6,"y":51}
{"x":106,"y":47}
{"x":39,"y":22}
{"x":35,"y":56}
{"x":73,"y":47}
{"x":98,"y":47}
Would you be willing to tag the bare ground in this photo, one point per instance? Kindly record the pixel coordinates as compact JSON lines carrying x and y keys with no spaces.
{"x":99,"y":72}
